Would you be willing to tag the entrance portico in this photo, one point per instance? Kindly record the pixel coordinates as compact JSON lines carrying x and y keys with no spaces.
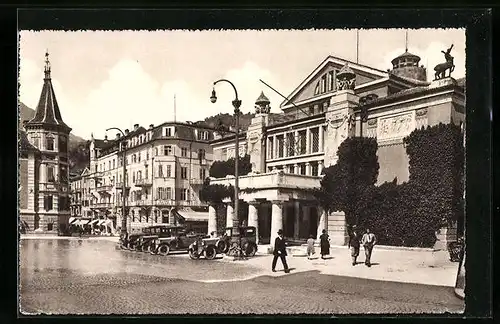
{"x":277,"y":200}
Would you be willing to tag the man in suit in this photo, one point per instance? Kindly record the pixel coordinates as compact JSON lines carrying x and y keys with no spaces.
{"x":280,"y":252}
{"x":368,"y":240}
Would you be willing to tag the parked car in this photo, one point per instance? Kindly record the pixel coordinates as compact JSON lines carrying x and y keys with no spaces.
{"x":130,"y":242}
{"x":210,"y":247}
{"x":174,"y":238}
{"x":146,"y":243}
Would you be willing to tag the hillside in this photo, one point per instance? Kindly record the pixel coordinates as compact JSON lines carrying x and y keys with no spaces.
{"x":26,"y":113}
{"x":226,"y":120}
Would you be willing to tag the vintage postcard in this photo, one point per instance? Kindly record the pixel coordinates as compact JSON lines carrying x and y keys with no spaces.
{"x":242,"y":171}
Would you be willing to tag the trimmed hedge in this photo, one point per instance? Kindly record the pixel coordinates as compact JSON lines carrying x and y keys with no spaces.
{"x":408,"y":214}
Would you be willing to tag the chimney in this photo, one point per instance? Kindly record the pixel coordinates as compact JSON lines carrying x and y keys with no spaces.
{"x":126,"y":132}
{"x":117,"y":135}
{"x":105,"y":138}
{"x":151,"y":126}
{"x":136,"y":126}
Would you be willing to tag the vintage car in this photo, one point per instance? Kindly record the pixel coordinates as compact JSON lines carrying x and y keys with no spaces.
{"x":146,"y":242}
{"x":227,"y":243}
{"x":130,"y":241}
{"x":174,"y":238}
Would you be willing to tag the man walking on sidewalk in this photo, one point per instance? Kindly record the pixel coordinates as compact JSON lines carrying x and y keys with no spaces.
{"x":280,"y":251}
{"x":368,"y":240}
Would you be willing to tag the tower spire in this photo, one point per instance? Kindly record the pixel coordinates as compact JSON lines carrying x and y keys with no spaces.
{"x":47,"y":65}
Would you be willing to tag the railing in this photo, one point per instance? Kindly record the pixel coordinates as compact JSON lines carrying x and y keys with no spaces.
{"x":104,"y":188}
{"x":196,"y":181}
{"x":272,"y":180}
{"x":119,"y":185}
{"x":191,"y":203}
{"x":144,"y":182}
{"x":103,"y":205}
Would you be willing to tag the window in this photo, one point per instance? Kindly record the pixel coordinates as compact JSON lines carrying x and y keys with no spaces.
{"x":138,"y":157}
{"x":63,"y":174}
{"x":160,"y":171}
{"x":183,"y":173}
{"x":291,"y":168}
{"x":146,"y":173}
{"x":316,"y":90}
{"x":50,"y":143}
{"x":311,"y":110}
{"x":184,"y":194}
{"x":156,"y":216}
{"x":184,"y":151}
{"x":109,"y":165}
{"x":114,"y":163}
{"x":167,"y":150}
{"x":201,"y":155}
{"x":315,"y":139}
{"x":169,"y":193}
{"x":168,"y":131}
{"x":331,"y":83}
{"x":133,"y":177}
{"x":270,"y":147}
{"x":202,"y":136}
{"x":323,"y":84}
{"x":290,"y":144}
{"x":63,"y":144}
{"x":224,"y":154}
{"x":281,"y":145}
{"x":203,"y":173}
{"x":302,"y":142}
{"x":139,"y":175}
{"x":169,"y":171}
{"x":147,"y":155}
{"x":47,"y":202}
{"x":134,"y":158}
{"x":50,"y":174}
{"x":302,"y":169}
{"x":156,"y":151}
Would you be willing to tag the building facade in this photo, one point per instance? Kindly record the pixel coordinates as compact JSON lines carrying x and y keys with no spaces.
{"x":337,"y":100}
{"x":165,"y":169}
{"x":44,"y":173}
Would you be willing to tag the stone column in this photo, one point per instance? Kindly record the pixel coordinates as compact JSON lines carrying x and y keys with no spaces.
{"x":296,"y":228}
{"x":322,"y":224}
{"x":308,"y":168}
{"x":276,"y":219}
{"x":212,"y":219}
{"x":229,"y":214}
{"x":296,"y":169}
{"x":320,"y":167}
{"x":253,"y":217}
{"x":337,"y":228}
{"x":306,"y":220}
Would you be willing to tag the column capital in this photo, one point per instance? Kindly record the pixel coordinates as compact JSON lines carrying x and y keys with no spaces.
{"x":278,"y":202}
{"x":253,"y":202}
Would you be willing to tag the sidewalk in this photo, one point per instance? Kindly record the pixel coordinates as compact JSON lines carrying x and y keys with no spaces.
{"x":115,"y":239}
{"x":419,"y":267}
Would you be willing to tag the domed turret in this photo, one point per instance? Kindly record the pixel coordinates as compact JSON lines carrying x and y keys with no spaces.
{"x":406,"y":65}
{"x":262,"y":104}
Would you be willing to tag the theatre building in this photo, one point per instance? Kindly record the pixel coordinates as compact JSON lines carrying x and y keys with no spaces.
{"x":337,"y":100}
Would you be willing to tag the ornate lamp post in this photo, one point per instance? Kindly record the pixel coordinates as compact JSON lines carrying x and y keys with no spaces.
{"x":123,"y":232}
{"x":236,"y":104}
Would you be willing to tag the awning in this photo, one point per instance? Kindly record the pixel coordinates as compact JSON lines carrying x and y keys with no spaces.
{"x":100,"y":222}
{"x":84,"y":221}
{"x":72,"y":219}
{"x":93,"y":222}
{"x":76,"y":222}
{"x":191,"y":215}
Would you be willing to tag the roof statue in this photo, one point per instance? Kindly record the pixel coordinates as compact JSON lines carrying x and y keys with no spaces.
{"x":448,"y":65}
{"x":262,"y":104}
{"x":346,"y":79}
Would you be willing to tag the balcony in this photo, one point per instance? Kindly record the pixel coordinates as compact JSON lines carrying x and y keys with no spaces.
{"x":119,"y":185}
{"x":196,"y":181}
{"x":164,"y":202}
{"x":104,"y":188}
{"x":145,"y":182}
{"x":103,"y":205}
{"x":97,"y":175}
{"x":191,"y":203}
{"x":142,"y":202}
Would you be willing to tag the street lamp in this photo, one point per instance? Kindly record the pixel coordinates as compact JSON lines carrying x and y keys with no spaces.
{"x":123,"y":232}
{"x":236,"y":104}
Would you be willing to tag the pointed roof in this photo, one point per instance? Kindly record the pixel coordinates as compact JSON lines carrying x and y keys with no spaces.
{"x":262,"y":99}
{"x":47,"y":112}
{"x":406,"y":54}
{"x":24,"y":144}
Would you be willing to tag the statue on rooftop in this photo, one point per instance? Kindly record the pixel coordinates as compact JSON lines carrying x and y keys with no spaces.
{"x":448,"y":65}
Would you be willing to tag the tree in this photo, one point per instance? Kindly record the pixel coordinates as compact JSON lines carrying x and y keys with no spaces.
{"x":221,"y":169}
{"x":347,"y":185}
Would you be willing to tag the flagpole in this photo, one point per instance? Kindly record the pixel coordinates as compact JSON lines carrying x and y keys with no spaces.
{"x":357,"y":46}
{"x":175,"y":110}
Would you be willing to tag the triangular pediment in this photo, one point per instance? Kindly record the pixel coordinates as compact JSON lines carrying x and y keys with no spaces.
{"x":322,"y":80}
{"x":85,"y":172}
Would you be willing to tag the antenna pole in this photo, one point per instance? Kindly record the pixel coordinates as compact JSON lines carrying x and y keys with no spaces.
{"x":357,"y":46}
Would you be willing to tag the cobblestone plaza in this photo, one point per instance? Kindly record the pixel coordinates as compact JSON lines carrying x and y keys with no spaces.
{"x":124,"y":282}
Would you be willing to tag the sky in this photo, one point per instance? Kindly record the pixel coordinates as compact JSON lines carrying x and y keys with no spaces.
{"x":108,"y":79}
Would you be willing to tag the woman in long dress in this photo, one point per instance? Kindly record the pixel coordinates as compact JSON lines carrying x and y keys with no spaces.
{"x":324,"y":244}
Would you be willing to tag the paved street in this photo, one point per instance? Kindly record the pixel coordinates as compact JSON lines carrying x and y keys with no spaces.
{"x":90,"y":276}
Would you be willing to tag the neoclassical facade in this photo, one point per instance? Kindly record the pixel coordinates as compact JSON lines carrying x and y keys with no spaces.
{"x":44,"y":173}
{"x":337,"y":100}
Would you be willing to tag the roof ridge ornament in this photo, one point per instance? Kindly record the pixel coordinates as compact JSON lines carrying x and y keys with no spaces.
{"x":346,"y":78}
{"x":47,"y":65}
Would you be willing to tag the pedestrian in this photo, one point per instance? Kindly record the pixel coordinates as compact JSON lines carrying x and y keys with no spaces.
{"x":324,"y":242}
{"x":354,"y":243}
{"x":369,"y":240}
{"x":310,"y":247}
{"x":280,"y":252}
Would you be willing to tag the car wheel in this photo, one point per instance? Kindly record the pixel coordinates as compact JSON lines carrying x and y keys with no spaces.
{"x":222,"y":246}
{"x":250,"y":250}
{"x":145,"y":248}
{"x":152,"y":249}
{"x":193,"y":255}
{"x":210,"y":252}
{"x":164,"y":249}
